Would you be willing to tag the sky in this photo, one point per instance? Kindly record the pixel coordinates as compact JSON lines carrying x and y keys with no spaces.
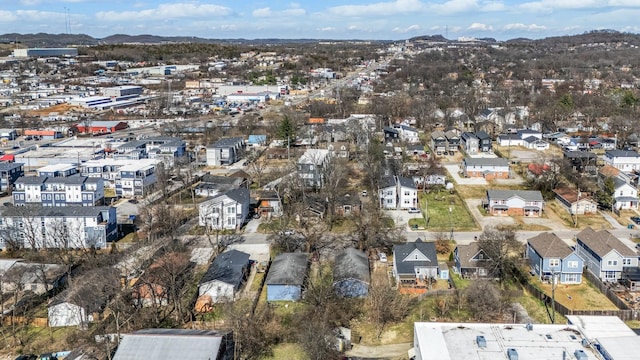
{"x":320,"y":19}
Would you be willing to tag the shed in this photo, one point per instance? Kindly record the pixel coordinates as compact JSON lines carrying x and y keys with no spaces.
{"x":443,"y":271}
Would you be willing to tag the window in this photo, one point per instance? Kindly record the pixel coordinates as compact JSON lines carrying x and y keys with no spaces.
{"x":610,"y":275}
{"x":571,"y":278}
{"x":231,"y":210}
{"x":554,"y":262}
{"x":626,"y":261}
{"x":572,"y":264}
{"x":612,"y":262}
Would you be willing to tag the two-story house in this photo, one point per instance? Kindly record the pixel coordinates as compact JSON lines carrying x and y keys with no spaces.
{"x":388,"y":192}
{"x":488,"y":168}
{"x":415,"y":263}
{"x":225,"y":211}
{"x":469,"y":143}
{"x":624,"y":160}
{"x":408,"y":134}
{"x":397,"y":192}
{"x":391,"y":135}
{"x":484,"y":141}
{"x":9,"y":173}
{"x":514,"y":202}
{"x":439,"y":143}
{"x":453,"y":141}
{"x":550,"y":257}
{"x":625,"y":195}
{"x":604,"y":255}
{"x":58,"y":191}
{"x":312,"y":166}
{"x":471,"y":261}
{"x":226,"y":151}
{"x":110,"y":171}
{"x":70,"y":227}
{"x":135,"y":179}
{"x":57,"y":170}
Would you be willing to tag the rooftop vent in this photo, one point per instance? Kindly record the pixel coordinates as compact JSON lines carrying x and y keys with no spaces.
{"x":580,"y":355}
{"x":529,"y":326}
{"x":481,"y":341}
{"x":548,"y":336}
{"x":512,"y":354}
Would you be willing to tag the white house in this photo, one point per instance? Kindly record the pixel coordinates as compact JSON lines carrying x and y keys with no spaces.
{"x":397,"y":193}
{"x":388,"y":193}
{"x":624,"y":160}
{"x":58,"y":227}
{"x":407,"y":193}
{"x":625,"y":195}
{"x":225,"y":276}
{"x":225,"y":211}
{"x":408,"y":134}
{"x":509,"y":140}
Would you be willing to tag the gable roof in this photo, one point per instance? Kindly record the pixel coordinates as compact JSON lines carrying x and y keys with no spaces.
{"x":572,"y":195}
{"x":602,"y":242}
{"x":609,"y":171}
{"x":228,"y":268}
{"x":406,"y":182}
{"x":486,"y":162}
{"x":621,"y":153}
{"x":351,"y":263}
{"x":466,"y":253}
{"x":227,"y":142}
{"x":168,"y":344}
{"x":527,"y":195}
{"x":538,"y":169}
{"x":288,"y":269}
{"x":400,"y":252}
{"x":241,"y":195}
{"x":549,"y":245}
{"x":387,"y":181}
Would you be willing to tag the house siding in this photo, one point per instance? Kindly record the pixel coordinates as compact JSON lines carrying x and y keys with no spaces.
{"x":217,"y":290}
{"x":352,"y":288}
{"x":283,"y":292}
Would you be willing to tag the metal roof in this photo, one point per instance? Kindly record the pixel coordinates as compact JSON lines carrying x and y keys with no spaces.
{"x":170,"y":344}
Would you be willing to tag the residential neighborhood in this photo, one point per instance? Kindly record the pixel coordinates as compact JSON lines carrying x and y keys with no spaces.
{"x":417,"y":199}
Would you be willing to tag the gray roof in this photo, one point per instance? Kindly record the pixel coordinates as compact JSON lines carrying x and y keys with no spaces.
{"x":527,"y":195}
{"x":391,"y":130}
{"x":482,"y":135}
{"x":351,"y":264}
{"x":227,"y":142}
{"x":228,"y":268}
{"x":486,"y":162}
{"x":47,"y":211}
{"x":400,"y":252}
{"x":406,"y":182}
{"x":241,"y":195}
{"x":602,"y":242}
{"x":10,"y":166}
{"x":31,"y":180}
{"x":466,"y":253}
{"x":549,"y":245}
{"x":387,"y":181}
{"x":621,"y":153}
{"x":509,"y":137}
{"x":170,"y":344}
{"x":288,"y":269}
{"x":438,"y":134}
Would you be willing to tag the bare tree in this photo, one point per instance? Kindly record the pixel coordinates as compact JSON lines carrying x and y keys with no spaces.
{"x":484,"y":300}
{"x":502,"y":250}
{"x":385,"y":305}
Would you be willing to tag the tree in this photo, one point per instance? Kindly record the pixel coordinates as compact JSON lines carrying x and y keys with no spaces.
{"x":385,"y":305}
{"x":502,"y":250}
{"x":251,"y":329}
{"x":287,"y":130}
{"x":484,"y":300}
{"x":605,"y":193}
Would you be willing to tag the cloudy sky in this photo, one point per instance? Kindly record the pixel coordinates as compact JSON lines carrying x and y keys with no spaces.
{"x":327,"y":19}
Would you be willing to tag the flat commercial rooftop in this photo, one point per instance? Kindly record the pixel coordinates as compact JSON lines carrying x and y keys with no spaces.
{"x":450,"y":341}
{"x":597,"y":327}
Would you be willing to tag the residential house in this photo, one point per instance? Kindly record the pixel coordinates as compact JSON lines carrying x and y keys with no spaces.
{"x":484,"y":141}
{"x":604,"y":255}
{"x":347,"y":205}
{"x":471,"y":262}
{"x":575,"y":201}
{"x":408,"y":134}
{"x":27,"y":277}
{"x":514,"y":203}
{"x":213,"y":185}
{"x":415,"y":263}
{"x":225,"y":276}
{"x":582,"y":161}
{"x":266,"y":203}
{"x":488,"y":168}
{"x":9,"y":173}
{"x":226,"y":151}
{"x":132,"y":177}
{"x":57,"y":170}
{"x":469,"y":143}
{"x":625,"y":195}
{"x":312,"y":165}
{"x":351,"y":275}
{"x":287,"y":276}
{"x":71,"y":227}
{"x":534,"y":143}
{"x":226,"y":211}
{"x":161,"y":148}
{"x":339,"y":149}
{"x":58,"y":191}
{"x":624,"y":160}
{"x":549,"y":256}
{"x":388,"y":192}
{"x":169,"y":344}
{"x":509,"y":140}
{"x":153,"y":287}
{"x":84,"y":302}
{"x":453,"y":141}
{"x":439,"y":143}
{"x":391,"y":135}
{"x":526,"y":133}
{"x":537,"y":170}
{"x":407,"y":193}
{"x":417,"y":151}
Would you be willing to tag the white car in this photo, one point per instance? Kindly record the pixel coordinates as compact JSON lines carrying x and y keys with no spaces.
{"x":413,"y":210}
{"x":382,"y":257}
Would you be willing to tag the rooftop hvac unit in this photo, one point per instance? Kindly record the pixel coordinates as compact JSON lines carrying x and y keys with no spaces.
{"x":481,"y":341}
{"x":512,"y":354}
{"x":529,"y":326}
{"x":580,"y":355}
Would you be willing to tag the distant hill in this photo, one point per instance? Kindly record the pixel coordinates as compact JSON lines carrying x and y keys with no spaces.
{"x":434,"y":38}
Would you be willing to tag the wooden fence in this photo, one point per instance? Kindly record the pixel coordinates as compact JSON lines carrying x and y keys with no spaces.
{"x":21,"y":320}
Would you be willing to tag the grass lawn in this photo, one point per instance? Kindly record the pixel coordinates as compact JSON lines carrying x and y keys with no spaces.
{"x":458,"y":281}
{"x":577,"y":297}
{"x":445,"y":210}
{"x":257,"y":280}
{"x":287,"y":351}
{"x":596,"y":221}
{"x":110,"y":192}
{"x":536,"y":309}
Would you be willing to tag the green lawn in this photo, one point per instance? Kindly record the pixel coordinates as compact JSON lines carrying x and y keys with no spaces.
{"x":445,"y":211}
{"x":287,"y":351}
{"x":458,"y":281}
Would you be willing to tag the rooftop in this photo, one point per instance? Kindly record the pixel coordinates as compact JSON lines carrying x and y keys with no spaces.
{"x":549,"y":245}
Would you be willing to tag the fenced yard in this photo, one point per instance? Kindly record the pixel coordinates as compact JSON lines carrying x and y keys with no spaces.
{"x":582,"y":296}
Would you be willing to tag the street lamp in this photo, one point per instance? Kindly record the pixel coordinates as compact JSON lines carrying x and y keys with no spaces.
{"x":451,"y":223}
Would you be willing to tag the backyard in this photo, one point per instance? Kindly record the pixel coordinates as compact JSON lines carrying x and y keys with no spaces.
{"x":582,"y":296}
{"x":595,"y":221}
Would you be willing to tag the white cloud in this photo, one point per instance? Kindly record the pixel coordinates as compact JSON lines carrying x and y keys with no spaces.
{"x":379,"y":9}
{"x":493,"y":6}
{"x":7,"y":16}
{"x":551,"y":5}
{"x":166,"y":12}
{"x":327,"y":29}
{"x":456,"y":6}
{"x":407,"y":29}
{"x":521,"y":26}
{"x":480,"y":27}
{"x":30,"y":2}
{"x":267,"y":12}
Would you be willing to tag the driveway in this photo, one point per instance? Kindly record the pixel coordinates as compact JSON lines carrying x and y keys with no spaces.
{"x":252,"y":226}
{"x":401,"y":217}
{"x":453,"y":172}
{"x":485,"y":221}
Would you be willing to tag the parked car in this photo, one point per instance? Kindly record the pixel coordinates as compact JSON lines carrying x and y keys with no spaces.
{"x":133,"y":201}
{"x":364,"y":193}
{"x":414,"y":210}
{"x":382,"y":257}
{"x":287,"y":232}
{"x":636,"y":219}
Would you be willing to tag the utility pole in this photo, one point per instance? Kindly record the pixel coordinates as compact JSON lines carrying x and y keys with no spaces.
{"x":553,"y":297}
